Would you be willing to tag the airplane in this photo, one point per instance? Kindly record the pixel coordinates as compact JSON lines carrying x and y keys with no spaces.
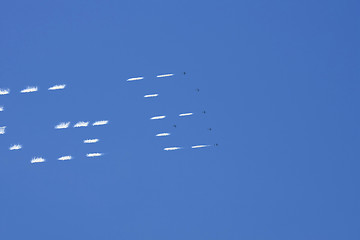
{"x":174,"y":125}
{"x":204,"y":112}
{"x":184,"y":73}
{"x":198,"y":90}
{"x":210,"y":129}
{"x":216,"y":144}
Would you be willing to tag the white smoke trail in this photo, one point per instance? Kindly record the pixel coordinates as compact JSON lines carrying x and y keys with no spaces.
{"x":4,"y":91}
{"x":37,"y":160}
{"x":157,"y":117}
{"x":165,"y":75}
{"x":134,"y":79}
{"x":171,"y":148}
{"x":99,"y":123}
{"x":185,"y":114}
{"x":95,"y":140}
{"x":62,"y":125}
{"x":94,"y":154}
{"x":64,"y":158}
{"x":81,"y":124}
{"x":57,"y":87}
{"x":29,"y":89}
{"x":15,"y":147}
{"x":151,"y":95}
{"x":2,"y":130}
{"x":1,"y":108}
{"x":200,"y":146}
{"x":162,"y":134}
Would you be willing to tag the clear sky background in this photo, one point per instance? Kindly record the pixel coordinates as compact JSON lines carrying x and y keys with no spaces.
{"x":279,"y":81}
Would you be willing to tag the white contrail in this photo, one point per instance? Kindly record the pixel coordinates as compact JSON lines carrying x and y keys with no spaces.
{"x":95,"y":140}
{"x":15,"y":147}
{"x":37,"y":160}
{"x":162,"y":134}
{"x":99,"y":123}
{"x":81,"y":124}
{"x":29,"y":89}
{"x":94,"y":154}
{"x":62,"y":125}
{"x":2,"y":130}
{"x":171,"y":148}
{"x":199,"y":146}
{"x":64,"y":158}
{"x":134,"y":79}
{"x":165,"y":75}
{"x":157,"y":117}
{"x":151,"y":95}
{"x":4,"y":91}
{"x":57,"y":87}
{"x":185,"y":114}
{"x":1,"y":108}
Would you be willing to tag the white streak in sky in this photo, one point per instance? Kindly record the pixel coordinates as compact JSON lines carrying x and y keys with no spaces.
{"x":1,"y":108}
{"x":57,"y":87}
{"x":165,"y":75}
{"x":64,"y":158}
{"x":162,"y":134}
{"x":199,"y":146}
{"x":29,"y":89}
{"x":94,"y":154}
{"x":134,"y":79}
{"x":185,"y":114}
{"x":4,"y":91}
{"x":37,"y":160}
{"x":15,"y":147}
{"x":62,"y":125}
{"x":2,"y":130}
{"x":95,"y":140}
{"x":81,"y":124}
{"x":151,"y":95}
{"x":171,"y":148}
{"x":157,"y":117}
{"x":99,"y":123}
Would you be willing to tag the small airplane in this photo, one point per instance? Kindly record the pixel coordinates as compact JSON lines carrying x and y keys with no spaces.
{"x":216,"y":144}
{"x":184,"y":73}
{"x":204,"y":112}
{"x":210,"y":129}
{"x":174,"y":125}
{"x":198,"y":90}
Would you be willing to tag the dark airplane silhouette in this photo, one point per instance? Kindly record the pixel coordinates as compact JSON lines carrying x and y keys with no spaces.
{"x":174,"y":125}
{"x":198,"y":90}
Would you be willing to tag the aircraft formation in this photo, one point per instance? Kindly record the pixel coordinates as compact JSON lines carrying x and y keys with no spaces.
{"x":84,"y":124}
{"x":160,"y":117}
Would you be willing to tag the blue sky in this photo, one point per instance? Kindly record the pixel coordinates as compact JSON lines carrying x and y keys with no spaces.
{"x":279,"y":83}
